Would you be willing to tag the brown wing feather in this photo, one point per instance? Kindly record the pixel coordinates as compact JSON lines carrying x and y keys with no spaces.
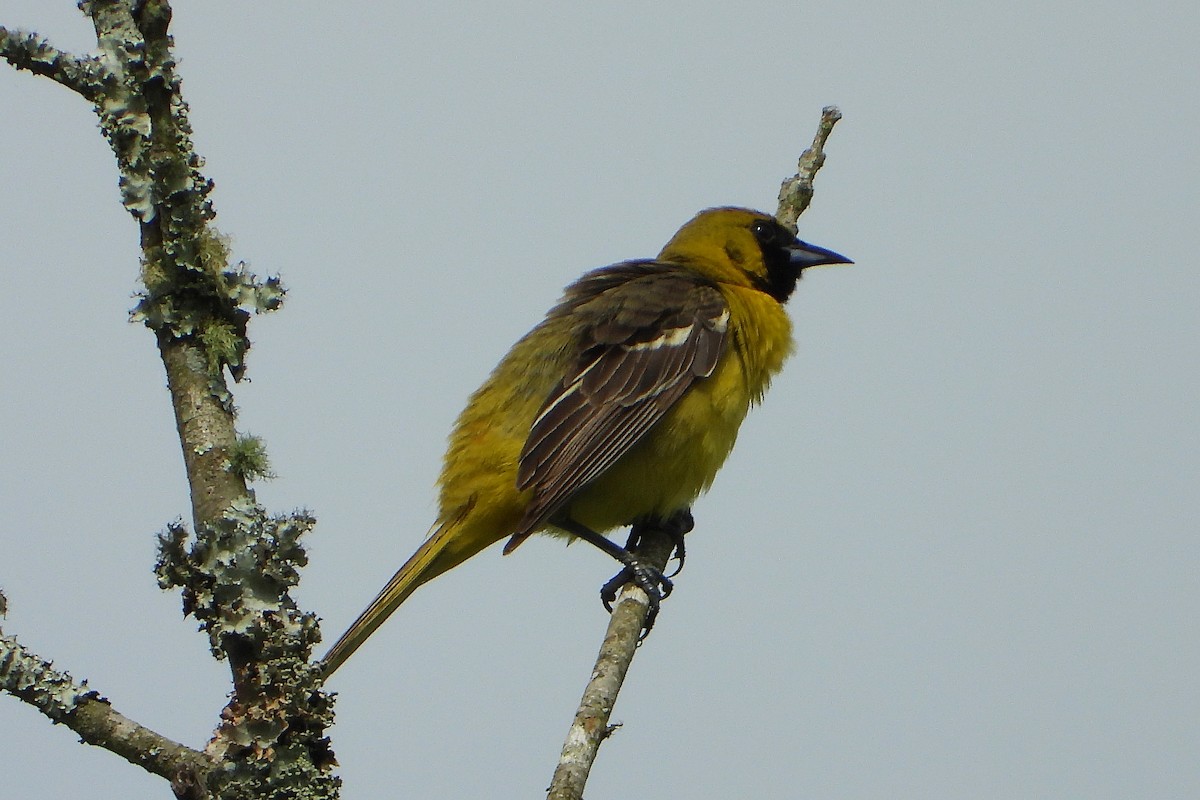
{"x":646,"y":336}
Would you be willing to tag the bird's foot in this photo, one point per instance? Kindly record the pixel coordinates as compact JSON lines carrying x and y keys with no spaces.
{"x":647,"y":578}
{"x":650,"y":579}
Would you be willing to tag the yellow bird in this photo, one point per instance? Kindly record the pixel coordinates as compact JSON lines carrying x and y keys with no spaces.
{"x":620,"y":406}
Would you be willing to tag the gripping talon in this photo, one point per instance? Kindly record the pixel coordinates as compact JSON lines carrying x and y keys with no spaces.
{"x":678,"y":556}
{"x":608,"y":592}
{"x":678,"y":525}
{"x":656,"y":586}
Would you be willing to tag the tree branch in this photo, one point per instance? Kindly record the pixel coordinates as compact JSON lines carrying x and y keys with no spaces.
{"x":26,"y":50}
{"x":238,"y":569}
{"x":65,"y":702}
{"x":796,"y":192}
{"x":590,"y":726}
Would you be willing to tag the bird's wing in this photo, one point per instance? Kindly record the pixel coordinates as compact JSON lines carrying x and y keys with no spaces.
{"x":644,"y":341}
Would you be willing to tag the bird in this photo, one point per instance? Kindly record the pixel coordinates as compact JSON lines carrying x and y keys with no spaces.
{"x":619,"y":407}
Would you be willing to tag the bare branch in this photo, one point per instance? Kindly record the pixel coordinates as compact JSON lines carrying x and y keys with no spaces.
{"x":27,"y":50}
{"x":796,"y":192}
{"x":590,"y":726}
{"x":65,"y":702}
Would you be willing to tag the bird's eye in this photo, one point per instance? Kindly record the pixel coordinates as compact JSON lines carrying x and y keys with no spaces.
{"x":763,"y":231}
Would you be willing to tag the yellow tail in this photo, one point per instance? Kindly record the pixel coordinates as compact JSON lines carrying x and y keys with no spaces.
{"x":420,"y":568}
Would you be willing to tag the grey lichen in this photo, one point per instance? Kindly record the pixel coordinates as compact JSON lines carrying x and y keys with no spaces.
{"x":197,"y":293}
{"x":236,"y":576}
{"x":190,"y":287}
{"x":54,"y":693}
{"x":237,"y":571}
{"x":66,"y":702}
{"x":25,"y":50}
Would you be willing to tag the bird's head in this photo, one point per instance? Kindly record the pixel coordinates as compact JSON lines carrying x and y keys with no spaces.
{"x":748,"y":248}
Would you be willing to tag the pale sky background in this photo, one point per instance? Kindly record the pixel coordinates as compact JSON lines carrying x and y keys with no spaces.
{"x":954,"y":555}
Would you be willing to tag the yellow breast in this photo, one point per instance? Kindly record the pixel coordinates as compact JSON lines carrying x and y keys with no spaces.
{"x":679,"y":458}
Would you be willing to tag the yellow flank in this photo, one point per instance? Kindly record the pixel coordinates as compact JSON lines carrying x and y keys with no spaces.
{"x":478,"y":480}
{"x":653,"y":330}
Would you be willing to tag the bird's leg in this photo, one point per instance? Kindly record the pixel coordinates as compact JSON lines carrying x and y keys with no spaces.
{"x":647,"y":577}
{"x":675,"y":526}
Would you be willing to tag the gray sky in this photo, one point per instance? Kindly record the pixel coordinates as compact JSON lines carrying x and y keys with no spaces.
{"x":953,"y":555}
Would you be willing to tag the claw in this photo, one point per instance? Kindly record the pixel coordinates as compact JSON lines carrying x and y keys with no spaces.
{"x":608,"y":592}
{"x":676,"y":527}
{"x":678,"y":556}
{"x":657,"y":587}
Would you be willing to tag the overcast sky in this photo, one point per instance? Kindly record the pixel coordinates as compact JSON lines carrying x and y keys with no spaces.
{"x":954,"y":555}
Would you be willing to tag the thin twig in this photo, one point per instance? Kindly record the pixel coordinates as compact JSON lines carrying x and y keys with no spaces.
{"x":796,"y":192}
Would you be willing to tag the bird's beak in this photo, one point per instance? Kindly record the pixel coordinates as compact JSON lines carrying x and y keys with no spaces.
{"x":802,"y":255}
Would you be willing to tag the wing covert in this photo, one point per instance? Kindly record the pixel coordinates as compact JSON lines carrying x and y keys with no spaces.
{"x":643,"y":342}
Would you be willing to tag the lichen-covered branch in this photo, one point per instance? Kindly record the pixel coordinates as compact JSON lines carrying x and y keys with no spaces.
{"x":25,"y":50}
{"x":236,"y":575}
{"x":591,"y":724}
{"x":796,"y":192}
{"x":237,"y":570}
{"x":66,"y":702}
